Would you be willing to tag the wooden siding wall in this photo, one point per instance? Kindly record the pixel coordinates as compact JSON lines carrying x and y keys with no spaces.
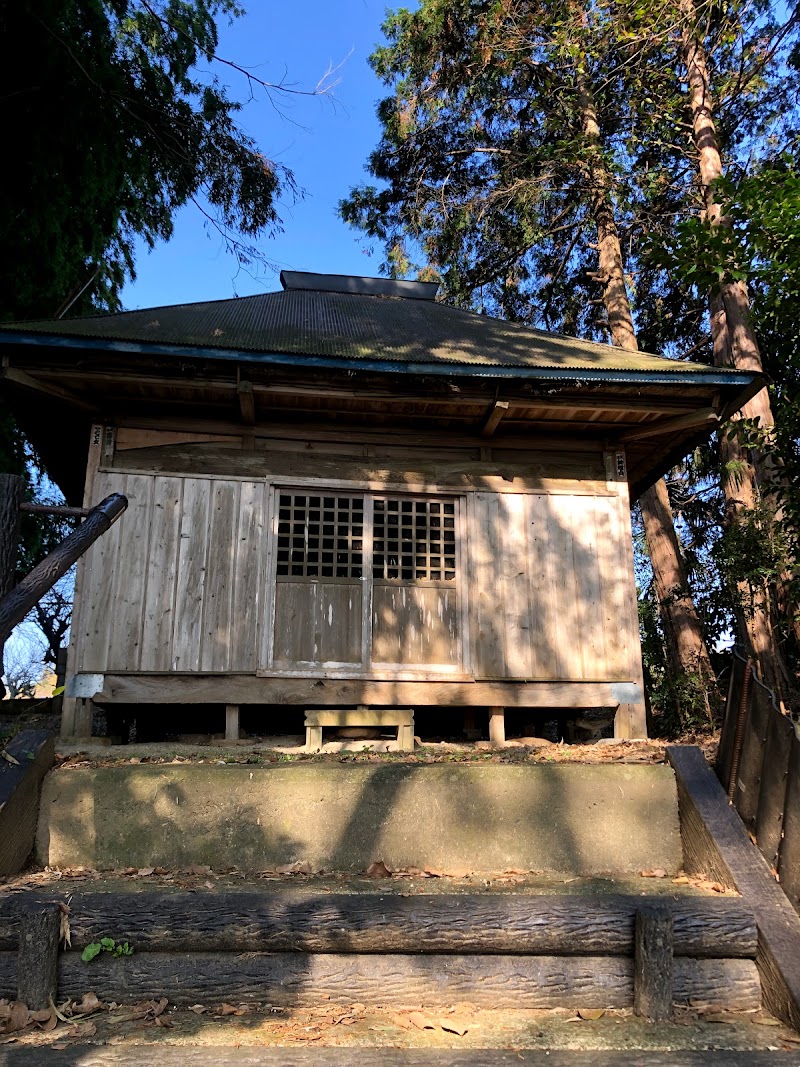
{"x":551,"y":593}
{"x":177,"y":586}
{"x":180,"y":582}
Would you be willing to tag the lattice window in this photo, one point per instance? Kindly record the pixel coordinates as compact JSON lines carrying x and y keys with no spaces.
{"x":320,"y":536}
{"x":414,"y":539}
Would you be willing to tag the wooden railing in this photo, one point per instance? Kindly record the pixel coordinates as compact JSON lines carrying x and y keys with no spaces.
{"x":759,"y":765}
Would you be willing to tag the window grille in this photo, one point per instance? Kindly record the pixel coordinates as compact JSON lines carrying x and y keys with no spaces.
{"x":414,"y":540}
{"x":320,"y":536}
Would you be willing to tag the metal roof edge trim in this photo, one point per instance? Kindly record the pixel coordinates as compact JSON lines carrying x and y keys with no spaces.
{"x":388,"y":366}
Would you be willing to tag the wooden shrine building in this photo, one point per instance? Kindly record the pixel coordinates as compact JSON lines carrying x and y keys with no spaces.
{"x":346,"y":494}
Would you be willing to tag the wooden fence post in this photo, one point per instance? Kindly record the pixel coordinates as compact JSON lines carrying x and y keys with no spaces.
{"x":37,"y":956}
{"x":652,"y":966}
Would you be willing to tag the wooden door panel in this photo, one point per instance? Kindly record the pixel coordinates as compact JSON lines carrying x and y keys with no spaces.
{"x":416,"y":625}
{"x":317,"y":623}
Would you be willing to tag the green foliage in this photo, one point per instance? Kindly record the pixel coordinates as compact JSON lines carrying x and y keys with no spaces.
{"x":106,"y":944}
{"x":109,"y":130}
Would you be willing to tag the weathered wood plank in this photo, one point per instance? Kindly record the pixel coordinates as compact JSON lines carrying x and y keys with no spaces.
{"x":297,"y":979}
{"x":365,"y":717}
{"x":162,"y":571}
{"x":98,"y":588}
{"x":545,"y":661}
{"x":70,"y":719}
{"x":317,"y":622}
{"x":19,"y":795}
{"x":589,"y":589}
{"x":748,"y":780}
{"x":244,"y":689}
{"x":162,"y":1055}
{"x":415,"y":625}
{"x":774,"y":778}
{"x":248,"y":590}
{"x":728,"y":733}
{"x":789,"y":860}
{"x":548,"y":474}
{"x":191,"y":577}
{"x":614,"y":580}
{"x":218,"y":620}
{"x":131,"y":563}
{"x":631,"y":719}
{"x":488,"y":649}
{"x":304,"y":921}
{"x":511,"y":578}
{"x":566,"y":619}
{"x":715,"y":839}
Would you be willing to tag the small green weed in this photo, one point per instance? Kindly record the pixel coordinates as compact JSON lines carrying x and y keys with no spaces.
{"x":106,"y":944}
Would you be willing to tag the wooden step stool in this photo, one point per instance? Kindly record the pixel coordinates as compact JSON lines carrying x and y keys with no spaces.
{"x":402,"y":718}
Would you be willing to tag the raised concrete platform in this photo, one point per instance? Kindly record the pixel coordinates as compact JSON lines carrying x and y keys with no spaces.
{"x":571,"y":819}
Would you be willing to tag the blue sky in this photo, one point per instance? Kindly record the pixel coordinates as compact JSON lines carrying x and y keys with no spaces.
{"x":325,"y":143}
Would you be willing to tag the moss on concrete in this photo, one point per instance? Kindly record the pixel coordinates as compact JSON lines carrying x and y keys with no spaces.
{"x":573,"y":819}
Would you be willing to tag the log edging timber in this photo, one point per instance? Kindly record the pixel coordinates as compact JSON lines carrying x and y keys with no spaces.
{"x":716,"y":843}
{"x":288,"y":921}
{"x":298,"y":979}
{"x":296,"y":949}
{"x":33,"y":751}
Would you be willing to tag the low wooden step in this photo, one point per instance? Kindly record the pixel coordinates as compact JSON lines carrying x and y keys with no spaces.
{"x":308,"y":921}
{"x":499,"y":951}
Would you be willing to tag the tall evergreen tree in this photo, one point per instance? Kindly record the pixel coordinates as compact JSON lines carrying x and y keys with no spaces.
{"x":497,"y":163}
{"x":109,"y":129}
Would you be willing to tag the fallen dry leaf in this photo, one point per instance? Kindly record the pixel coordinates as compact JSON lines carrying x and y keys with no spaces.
{"x":17,"y":1018}
{"x":422,"y":1022}
{"x":64,"y":934}
{"x":143,"y":872}
{"x":83,"y":1030}
{"x":378,"y":869}
{"x":590,"y":1014}
{"x":198,"y":1009}
{"x":90,"y":1002}
{"x":159,"y":1006}
{"x":454,"y":1026}
{"x":126,"y":1017}
{"x":165,"y":1021}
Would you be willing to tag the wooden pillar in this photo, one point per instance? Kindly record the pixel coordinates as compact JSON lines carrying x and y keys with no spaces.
{"x":630,"y":721}
{"x":652,"y":965}
{"x":313,"y":738}
{"x":497,"y":726}
{"x":231,"y":722}
{"x":37,"y":956}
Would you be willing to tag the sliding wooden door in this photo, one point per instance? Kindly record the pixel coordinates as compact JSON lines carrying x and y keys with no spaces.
{"x":366,"y":583}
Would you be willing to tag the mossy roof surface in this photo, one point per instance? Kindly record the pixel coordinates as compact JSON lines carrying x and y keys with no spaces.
{"x":356,"y":327}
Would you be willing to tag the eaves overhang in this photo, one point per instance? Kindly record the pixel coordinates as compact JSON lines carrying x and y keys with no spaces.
{"x":712,"y":377}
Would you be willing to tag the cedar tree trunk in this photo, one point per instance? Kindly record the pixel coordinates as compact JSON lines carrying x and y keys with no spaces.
{"x":682,"y":628}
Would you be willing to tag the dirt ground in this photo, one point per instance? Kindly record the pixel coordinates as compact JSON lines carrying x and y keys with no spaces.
{"x":459,"y":1026}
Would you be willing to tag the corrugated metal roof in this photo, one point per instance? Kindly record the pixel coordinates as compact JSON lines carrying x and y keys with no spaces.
{"x":354,"y":327}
